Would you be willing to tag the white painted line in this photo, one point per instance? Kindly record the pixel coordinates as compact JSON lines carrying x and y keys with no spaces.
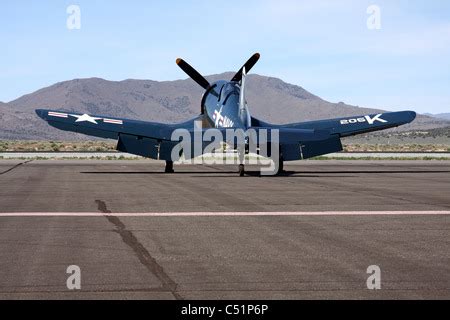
{"x":199,"y":214}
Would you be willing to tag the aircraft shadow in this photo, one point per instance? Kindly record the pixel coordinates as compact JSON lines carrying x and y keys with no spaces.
{"x":257,"y":173}
{"x":377,"y":171}
{"x":156,"y":172}
{"x":230,"y":174}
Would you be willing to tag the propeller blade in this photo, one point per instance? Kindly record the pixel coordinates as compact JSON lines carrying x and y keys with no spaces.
{"x":248,"y":65}
{"x":191,"y":72}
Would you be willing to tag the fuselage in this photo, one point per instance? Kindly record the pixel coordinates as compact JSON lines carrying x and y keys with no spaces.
{"x":222,"y":107}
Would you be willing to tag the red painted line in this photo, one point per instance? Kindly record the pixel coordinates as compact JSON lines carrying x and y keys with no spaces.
{"x":199,"y":214}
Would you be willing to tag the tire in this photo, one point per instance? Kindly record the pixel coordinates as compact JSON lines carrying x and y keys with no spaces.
{"x":241,"y":170}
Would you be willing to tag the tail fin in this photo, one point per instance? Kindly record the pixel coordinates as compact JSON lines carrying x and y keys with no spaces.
{"x":244,"y":114}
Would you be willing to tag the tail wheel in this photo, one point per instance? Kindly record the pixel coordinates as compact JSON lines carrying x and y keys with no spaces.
{"x":241,"y":170}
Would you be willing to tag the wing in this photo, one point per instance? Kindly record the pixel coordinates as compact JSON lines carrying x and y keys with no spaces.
{"x":148,"y":139}
{"x":349,"y":126}
{"x":105,"y":127}
{"x":336,"y":128}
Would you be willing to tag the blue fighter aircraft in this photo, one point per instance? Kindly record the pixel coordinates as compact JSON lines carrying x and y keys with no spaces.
{"x":223,"y":107}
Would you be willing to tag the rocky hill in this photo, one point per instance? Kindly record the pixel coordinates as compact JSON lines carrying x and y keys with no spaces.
{"x":269,"y":98}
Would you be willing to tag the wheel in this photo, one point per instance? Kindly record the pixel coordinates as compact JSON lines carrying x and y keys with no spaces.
{"x":241,"y":170}
{"x":169,"y":167}
{"x":280,"y":166}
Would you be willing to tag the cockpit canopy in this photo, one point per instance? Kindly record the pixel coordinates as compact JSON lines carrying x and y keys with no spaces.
{"x":228,"y":89}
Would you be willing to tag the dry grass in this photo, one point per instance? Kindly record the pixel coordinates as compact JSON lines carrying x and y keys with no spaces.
{"x":99,"y":146}
{"x":28,"y":145}
{"x":410,"y":147}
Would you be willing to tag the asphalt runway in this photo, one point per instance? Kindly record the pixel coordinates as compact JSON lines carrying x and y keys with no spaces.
{"x":225,"y":256}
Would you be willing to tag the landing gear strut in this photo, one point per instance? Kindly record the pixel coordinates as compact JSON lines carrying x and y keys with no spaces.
{"x":241,"y":170}
{"x":169,"y":167}
{"x":280,"y":166}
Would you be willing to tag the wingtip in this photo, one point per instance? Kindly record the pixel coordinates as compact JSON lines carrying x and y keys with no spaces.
{"x":412,"y":115}
{"x":40,"y":113}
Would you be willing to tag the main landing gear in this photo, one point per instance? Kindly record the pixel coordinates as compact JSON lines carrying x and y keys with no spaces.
{"x":280,"y":166}
{"x":169,"y":167}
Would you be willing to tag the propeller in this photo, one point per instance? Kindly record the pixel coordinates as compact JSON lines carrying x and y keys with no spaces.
{"x":248,"y":65}
{"x":197,"y":77}
{"x":191,"y":72}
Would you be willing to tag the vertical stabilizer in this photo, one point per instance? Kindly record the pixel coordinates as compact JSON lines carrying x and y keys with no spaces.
{"x":244,"y":114}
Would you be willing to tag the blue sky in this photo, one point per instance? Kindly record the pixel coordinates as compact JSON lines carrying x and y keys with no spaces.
{"x":323,"y":46}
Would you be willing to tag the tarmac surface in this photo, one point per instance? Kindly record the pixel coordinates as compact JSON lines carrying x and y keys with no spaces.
{"x":296,"y":256}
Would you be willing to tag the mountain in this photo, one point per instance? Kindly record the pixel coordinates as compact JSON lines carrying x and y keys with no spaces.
{"x":270,"y":99}
{"x":23,"y":125}
{"x":444,"y":116}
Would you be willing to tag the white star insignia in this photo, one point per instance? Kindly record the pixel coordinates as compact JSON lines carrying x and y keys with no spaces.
{"x":85,"y":117}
